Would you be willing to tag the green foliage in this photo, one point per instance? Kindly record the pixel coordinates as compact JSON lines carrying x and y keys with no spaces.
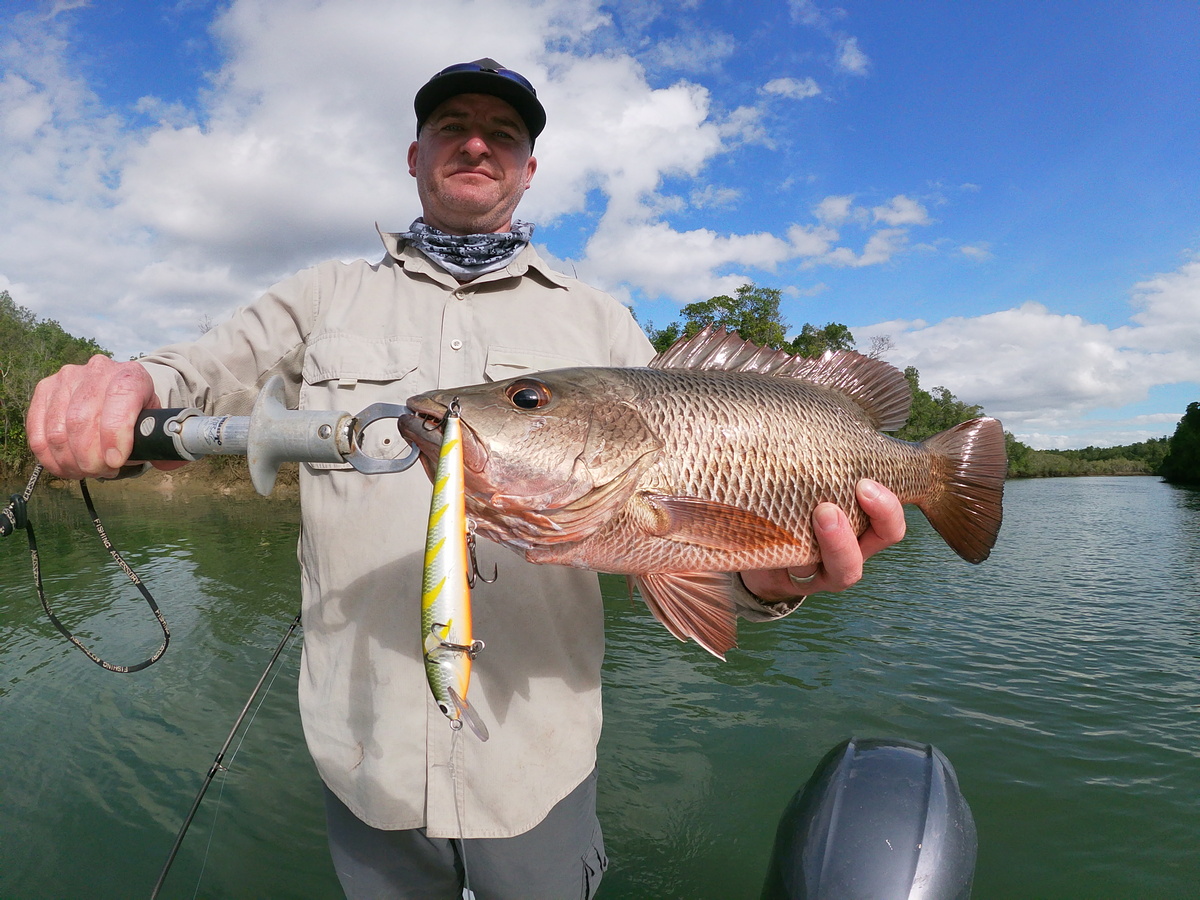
{"x":1182,"y":462}
{"x":813,"y":341}
{"x":663,"y":338}
{"x":1142,"y":458}
{"x":933,"y":411}
{"x":752,"y":312}
{"x":29,"y":351}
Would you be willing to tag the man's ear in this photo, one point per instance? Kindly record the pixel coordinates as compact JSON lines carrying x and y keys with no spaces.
{"x":530,"y":168}
{"x":412,"y":159}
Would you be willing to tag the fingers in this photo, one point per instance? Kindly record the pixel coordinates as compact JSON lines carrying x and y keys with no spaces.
{"x":887,"y":517}
{"x":841,"y":558}
{"x":81,"y":419}
{"x":842,"y":551}
{"x":129,"y":392}
{"x":774,"y":584}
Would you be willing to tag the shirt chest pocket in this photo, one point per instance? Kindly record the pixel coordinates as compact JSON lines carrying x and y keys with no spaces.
{"x":350,"y":372}
{"x":507,"y":362}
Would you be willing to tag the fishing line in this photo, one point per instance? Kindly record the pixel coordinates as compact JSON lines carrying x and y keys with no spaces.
{"x":462,"y":841}
{"x":217,"y":761}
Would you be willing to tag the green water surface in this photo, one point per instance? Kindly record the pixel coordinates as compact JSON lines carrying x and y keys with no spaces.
{"x":1061,"y":678}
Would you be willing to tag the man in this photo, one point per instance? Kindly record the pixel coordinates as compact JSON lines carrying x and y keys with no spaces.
{"x":460,"y":298}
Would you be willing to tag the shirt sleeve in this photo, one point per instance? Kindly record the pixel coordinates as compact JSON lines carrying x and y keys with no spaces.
{"x":630,"y":346}
{"x":755,"y":609}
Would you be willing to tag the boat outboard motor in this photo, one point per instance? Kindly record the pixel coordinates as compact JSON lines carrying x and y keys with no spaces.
{"x":877,"y":820}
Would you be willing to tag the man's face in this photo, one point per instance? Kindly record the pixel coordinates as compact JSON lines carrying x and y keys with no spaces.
{"x":472,"y":162}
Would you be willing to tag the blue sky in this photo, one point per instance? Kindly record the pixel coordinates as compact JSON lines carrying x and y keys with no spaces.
{"x":1008,"y":191}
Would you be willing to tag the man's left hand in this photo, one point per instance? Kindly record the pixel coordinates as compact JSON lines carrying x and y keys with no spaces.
{"x":842,"y":552}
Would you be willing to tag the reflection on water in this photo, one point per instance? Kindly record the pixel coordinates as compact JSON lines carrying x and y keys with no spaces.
{"x":1060,"y":677}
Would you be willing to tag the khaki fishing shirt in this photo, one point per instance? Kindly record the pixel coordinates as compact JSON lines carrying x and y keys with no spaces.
{"x":344,"y":336}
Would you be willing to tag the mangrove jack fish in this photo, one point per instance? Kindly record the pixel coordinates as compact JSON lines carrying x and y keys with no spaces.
{"x":449,"y":646}
{"x":707,"y":462}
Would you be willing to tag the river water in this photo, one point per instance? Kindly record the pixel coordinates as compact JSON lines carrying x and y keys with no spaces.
{"x":1061,"y":678}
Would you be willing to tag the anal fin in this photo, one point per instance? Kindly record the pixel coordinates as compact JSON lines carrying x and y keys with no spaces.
{"x":696,"y":605}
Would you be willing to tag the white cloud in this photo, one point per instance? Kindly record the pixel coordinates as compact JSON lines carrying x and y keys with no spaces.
{"x":694,"y":52}
{"x":792,"y":88}
{"x":836,"y":210}
{"x":132,"y":233}
{"x":663,"y":261}
{"x":713,"y":196}
{"x":980,"y":252}
{"x":298,"y":144}
{"x":901,"y":210}
{"x":1168,"y":316}
{"x":1042,"y":373}
{"x":850,"y":58}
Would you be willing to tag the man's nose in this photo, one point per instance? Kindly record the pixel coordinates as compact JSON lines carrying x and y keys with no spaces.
{"x":475,"y":145}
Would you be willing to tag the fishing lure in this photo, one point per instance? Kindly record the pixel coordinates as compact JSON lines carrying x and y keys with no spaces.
{"x":449,"y":646}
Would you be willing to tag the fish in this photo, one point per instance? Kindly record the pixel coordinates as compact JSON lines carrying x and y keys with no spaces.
{"x":448,"y":645}
{"x":705,"y":463}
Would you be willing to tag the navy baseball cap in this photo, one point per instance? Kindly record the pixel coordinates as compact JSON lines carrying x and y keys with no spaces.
{"x":483,"y":76}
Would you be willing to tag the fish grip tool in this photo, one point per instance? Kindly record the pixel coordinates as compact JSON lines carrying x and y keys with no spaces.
{"x":271,"y":435}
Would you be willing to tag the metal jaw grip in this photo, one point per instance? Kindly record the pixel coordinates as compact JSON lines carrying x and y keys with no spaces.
{"x":271,"y":435}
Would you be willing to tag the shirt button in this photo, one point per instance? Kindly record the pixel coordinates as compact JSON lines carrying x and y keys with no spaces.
{"x":456,"y":344}
{"x":460,"y":295}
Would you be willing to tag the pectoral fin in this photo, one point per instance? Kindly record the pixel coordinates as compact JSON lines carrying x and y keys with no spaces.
{"x":706,"y":523}
{"x":696,"y":605}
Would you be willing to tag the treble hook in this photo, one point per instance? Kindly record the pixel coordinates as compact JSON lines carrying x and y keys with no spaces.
{"x":474,"y":573}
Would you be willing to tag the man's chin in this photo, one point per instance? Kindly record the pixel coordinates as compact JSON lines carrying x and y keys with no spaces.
{"x":472,"y":215}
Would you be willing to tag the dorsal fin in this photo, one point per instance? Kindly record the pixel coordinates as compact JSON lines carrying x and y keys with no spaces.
{"x":878,"y":387}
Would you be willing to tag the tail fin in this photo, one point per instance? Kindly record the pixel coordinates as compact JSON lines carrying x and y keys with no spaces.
{"x":967,"y":509}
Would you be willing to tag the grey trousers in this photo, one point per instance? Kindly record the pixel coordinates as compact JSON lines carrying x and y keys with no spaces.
{"x":562,"y":858}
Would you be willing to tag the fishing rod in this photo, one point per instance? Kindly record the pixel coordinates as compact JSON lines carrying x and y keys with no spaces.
{"x":219,"y":759}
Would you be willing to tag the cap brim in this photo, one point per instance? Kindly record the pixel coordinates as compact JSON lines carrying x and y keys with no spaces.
{"x":442,"y":88}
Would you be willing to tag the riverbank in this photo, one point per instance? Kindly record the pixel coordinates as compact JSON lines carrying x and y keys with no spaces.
{"x":225,"y":476}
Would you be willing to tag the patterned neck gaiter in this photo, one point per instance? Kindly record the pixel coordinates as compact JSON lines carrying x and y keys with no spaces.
{"x":466,"y":256}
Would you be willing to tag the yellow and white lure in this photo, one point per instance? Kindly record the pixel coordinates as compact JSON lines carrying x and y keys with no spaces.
{"x":449,"y":645}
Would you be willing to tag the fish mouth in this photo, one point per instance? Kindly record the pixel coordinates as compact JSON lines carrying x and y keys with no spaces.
{"x":423,"y":429}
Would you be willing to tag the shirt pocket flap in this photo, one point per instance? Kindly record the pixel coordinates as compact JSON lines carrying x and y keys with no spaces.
{"x":507,"y":362}
{"x":350,"y":372}
{"x":348,"y":358}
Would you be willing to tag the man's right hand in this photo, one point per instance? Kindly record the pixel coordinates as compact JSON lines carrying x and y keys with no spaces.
{"x":81,"y":419}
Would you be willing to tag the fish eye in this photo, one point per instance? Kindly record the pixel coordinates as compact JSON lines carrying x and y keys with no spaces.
{"x":528,"y":394}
